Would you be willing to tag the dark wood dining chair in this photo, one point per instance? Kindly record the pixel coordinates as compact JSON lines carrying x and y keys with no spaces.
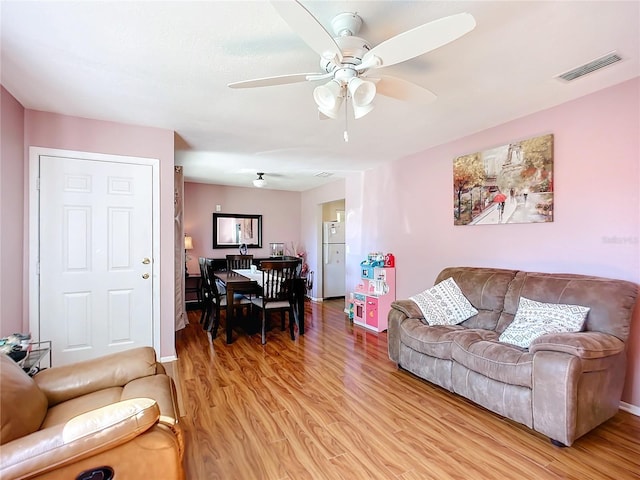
{"x":218,"y":301}
{"x":205,"y":290}
{"x":239,"y":262}
{"x":277,"y":292}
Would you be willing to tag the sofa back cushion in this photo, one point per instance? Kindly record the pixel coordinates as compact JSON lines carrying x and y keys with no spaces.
{"x":485,"y":288}
{"x":22,"y":405}
{"x":611,"y":301}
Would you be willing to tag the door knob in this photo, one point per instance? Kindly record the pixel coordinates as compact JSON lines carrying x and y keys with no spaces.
{"x":146,"y":261}
{"x":145,"y":275}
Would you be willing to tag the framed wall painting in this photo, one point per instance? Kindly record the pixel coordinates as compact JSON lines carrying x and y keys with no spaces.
{"x":512,"y":183}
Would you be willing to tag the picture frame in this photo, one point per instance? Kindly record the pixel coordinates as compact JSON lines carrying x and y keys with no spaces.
{"x":231,"y":230}
{"x":511,"y":183}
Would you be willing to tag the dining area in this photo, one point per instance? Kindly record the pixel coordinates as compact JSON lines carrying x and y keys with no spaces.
{"x":246,"y":292}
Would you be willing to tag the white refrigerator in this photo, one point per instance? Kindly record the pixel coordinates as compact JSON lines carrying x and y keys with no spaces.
{"x":333,"y":270}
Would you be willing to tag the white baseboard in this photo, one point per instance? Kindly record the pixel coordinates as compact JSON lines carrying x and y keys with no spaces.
{"x":632,"y":409}
{"x":169,"y":359}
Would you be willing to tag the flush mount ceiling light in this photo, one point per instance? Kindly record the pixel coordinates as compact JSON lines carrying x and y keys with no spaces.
{"x":259,"y":182}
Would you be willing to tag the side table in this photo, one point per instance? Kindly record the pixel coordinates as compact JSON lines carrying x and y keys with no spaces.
{"x":38,"y":351}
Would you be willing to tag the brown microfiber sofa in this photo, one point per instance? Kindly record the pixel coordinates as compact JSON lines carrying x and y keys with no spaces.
{"x":117,"y":411}
{"x":563,"y":386}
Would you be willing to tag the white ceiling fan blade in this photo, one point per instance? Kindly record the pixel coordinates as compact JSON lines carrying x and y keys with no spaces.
{"x":308,"y":28}
{"x":421,"y":39}
{"x":269,"y":81}
{"x":402,"y":90}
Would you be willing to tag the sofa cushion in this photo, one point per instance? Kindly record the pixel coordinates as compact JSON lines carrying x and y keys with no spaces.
{"x":433,"y":341}
{"x":611,"y":301}
{"x":534,"y":319}
{"x":22,"y":404}
{"x":444,"y":304}
{"x":485,"y":288}
{"x":480,"y":351}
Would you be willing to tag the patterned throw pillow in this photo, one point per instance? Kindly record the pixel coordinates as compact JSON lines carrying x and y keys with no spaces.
{"x":444,"y":304}
{"x":534,"y":319}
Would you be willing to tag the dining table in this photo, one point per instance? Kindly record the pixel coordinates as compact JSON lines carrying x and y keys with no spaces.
{"x":248,"y":281}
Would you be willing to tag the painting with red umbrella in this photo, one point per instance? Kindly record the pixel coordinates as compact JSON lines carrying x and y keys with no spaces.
{"x":511,"y":183}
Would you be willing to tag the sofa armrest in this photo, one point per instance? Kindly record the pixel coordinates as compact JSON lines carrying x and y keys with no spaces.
{"x":585,"y":345}
{"x":60,"y":384}
{"x":408,"y":307}
{"x":81,"y":437}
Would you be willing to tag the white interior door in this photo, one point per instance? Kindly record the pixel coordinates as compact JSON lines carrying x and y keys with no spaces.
{"x":96,"y":257}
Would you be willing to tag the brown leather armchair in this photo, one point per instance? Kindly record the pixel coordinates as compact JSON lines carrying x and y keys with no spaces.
{"x":117,"y":411}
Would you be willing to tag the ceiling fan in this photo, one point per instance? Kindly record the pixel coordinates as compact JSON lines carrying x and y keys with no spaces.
{"x":347,"y":60}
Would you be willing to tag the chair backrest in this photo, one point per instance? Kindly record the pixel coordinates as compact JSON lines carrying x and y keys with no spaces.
{"x":203,"y":286}
{"x":239,"y":261}
{"x":210,"y":280}
{"x":205,"y":276}
{"x":277,"y":279}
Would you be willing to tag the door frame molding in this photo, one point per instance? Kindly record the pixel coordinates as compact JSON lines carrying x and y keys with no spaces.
{"x":34,"y":229}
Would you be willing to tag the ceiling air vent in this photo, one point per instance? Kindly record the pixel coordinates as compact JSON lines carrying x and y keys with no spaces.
{"x":323,"y":174}
{"x":592,"y":66}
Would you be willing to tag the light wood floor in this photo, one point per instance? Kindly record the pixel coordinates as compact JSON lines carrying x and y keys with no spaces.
{"x":331,"y":405}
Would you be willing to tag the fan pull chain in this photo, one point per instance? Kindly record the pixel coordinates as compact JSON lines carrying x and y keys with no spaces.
{"x":346,"y":119}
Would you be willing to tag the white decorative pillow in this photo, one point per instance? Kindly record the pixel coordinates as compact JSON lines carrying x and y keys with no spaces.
{"x":534,"y":319}
{"x":444,"y":304}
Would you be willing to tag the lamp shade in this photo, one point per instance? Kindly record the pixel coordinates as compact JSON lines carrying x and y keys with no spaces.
{"x":362,"y":94}
{"x":327,"y":95}
{"x":359,"y":112}
{"x":362,"y":91}
{"x":331,"y":112}
{"x":188,"y":243}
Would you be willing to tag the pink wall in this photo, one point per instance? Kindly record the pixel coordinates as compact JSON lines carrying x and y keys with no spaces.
{"x":12,"y":314}
{"x":406,"y":207}
{"x":72,"y":133}
{"x":280,"y":212}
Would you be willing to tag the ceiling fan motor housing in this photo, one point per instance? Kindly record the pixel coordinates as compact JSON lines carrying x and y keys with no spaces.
{"x":353,"y":49}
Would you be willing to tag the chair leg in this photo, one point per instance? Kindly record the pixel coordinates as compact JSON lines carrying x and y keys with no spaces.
{"x":203,"y":307}
{"x":216,"y":323}
{"x":264,"y":326}
{"x":207,"y":318}
{"x":291,"y":322}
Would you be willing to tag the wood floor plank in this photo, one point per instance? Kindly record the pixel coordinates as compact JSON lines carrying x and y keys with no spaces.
{"x":331,"y":405}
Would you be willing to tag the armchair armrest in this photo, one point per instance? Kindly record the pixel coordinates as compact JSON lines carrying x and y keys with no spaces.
{"x":81,"y":437}
{"x":408,"y":307}
{"x":585,"y":345}
{"x":60,"y":384}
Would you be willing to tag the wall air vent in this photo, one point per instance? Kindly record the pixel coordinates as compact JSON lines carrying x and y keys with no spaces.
{"x":592,"y":66}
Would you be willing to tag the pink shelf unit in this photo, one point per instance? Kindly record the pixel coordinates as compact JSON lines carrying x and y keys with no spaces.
{"x":372,"y":299}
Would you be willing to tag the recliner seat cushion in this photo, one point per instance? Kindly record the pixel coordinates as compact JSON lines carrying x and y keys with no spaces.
{"x":434,"y":341}
{"x":479,"y":351}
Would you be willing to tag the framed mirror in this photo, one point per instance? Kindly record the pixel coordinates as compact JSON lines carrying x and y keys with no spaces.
{"x":230,"y":230}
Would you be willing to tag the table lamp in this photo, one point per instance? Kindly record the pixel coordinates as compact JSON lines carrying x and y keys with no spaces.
{"x":188,"y":245}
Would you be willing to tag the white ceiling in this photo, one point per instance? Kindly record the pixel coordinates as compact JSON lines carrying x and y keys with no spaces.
{"x":167,"y":65}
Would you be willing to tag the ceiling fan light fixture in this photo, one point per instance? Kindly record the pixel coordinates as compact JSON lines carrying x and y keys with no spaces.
{"x":362,"y":91}
{"x":327,"y":95}
{"x":331,"y":112}
{"x":259,"y":182}
{"x":359,"y":112}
